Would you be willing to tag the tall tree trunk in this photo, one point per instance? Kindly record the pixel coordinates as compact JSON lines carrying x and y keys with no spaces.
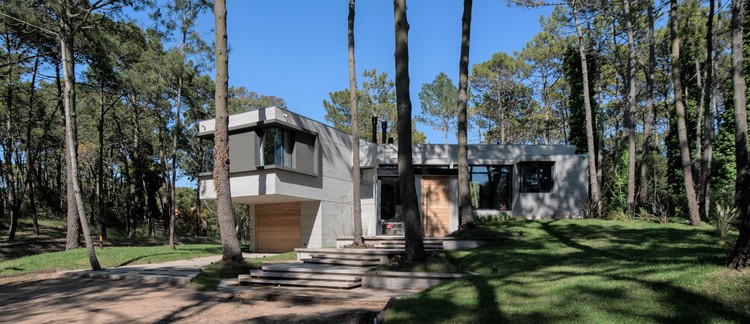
{"x":649,"y":115}
{"x":356,"y":202}
{"x":741,"y":256}
{"x":708,"y":123}
{"x":173,"y":181}
{"x":680,"y":111}
{"x":630,"y":113}
{"x":414,"y":235}
{"x":100,"y":170}
{"x":10,"y":178}
{"x":229,"y":242}
{"x":66,"y":50}
{"x":464,"y":190}
{"x":30,"y":151}
{"x":593,"y":181}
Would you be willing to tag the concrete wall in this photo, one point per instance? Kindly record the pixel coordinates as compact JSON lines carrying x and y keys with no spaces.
{"x":569,"y":193}
{"x":443,"y":154}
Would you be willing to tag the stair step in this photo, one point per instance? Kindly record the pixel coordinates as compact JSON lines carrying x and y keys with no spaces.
{"x":307,"y":283}
{"x":313,"y":268}
{"x":345,"y":257}
{"x":344,"y":251}
{"x":358,"y":263}
{"x":296,"y":275}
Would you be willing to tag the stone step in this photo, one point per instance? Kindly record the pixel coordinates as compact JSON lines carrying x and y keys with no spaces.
{"x":358,"y":263}
{"x":372,"y":252}
{"x":313,"y":268}
{"x":296,"y":275}
{"x":345,"y":257}
{"x":306,"y":283}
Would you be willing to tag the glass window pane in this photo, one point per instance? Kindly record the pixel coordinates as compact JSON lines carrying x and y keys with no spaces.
{"x":491,"y":186}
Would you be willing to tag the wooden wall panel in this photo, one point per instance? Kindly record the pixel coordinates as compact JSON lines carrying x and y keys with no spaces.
{"x":277,"y":227}
{"x":436,"y":206}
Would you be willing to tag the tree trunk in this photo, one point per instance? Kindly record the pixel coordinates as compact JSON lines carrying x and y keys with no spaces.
{"x":30,"y":151}
{"x":173,"y":196}
{"x":66,"y":50}
{"x":649,"y":115}
{"x":100,"y":170}
{"x":356,"y":202}
{"x":741,"y":256}
{"x":464,"y":190}
{"x":593,"y":181}
{"x":10,"y":178}
{"x":414,"y":242}
{"x":680,"y":111}
{"x":630,"y":113}
{"x":708,"y":123}
{"x":229,"y":242}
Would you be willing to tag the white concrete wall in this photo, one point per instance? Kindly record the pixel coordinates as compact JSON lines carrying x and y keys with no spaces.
{"x":569,"y":193}
{"x":311,"y":226}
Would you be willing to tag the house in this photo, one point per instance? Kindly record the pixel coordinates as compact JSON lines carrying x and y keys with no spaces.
{"x":295,"y":174}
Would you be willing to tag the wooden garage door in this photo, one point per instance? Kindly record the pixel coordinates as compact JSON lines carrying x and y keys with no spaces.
{"x":277,"y":227}
{"x":436,"y":205}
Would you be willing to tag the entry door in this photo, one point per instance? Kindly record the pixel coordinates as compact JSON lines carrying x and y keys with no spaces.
{"x":277,"y":227}
{"x":436,"y":206}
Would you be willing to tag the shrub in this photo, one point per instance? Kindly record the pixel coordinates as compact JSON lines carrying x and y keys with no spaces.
{"x":723,"y":219}
{"x":618,"y":215}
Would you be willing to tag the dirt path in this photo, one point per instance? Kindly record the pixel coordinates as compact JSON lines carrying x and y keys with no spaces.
{"x":55,"y":298}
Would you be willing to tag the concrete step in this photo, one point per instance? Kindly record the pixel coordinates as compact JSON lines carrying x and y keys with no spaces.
{"x":371,"y":252}
{"x":306,"y":283}
{"x":307,"y":276}
{"x":356,"y":263}
{"x":345,"y":257}
{"x":313,"y":268}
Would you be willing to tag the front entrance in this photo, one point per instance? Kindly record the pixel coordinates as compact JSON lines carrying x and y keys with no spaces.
{"x":436,"y":206}
{"x":277,"y":227}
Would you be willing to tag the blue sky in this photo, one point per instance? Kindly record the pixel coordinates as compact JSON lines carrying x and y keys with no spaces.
{"x":297,"y":49}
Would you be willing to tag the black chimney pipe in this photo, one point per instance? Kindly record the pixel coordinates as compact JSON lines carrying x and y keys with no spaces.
{"x":384,"y":127}
{"x":375,"y":129}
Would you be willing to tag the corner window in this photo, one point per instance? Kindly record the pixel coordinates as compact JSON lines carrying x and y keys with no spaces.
{"x":490,"y":186}
{"x":536,"y":176}
{"x":275,"y":147}
{"x":281,"y":147}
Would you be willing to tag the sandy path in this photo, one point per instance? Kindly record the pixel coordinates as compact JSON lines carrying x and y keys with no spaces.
{"x":55,"y":298}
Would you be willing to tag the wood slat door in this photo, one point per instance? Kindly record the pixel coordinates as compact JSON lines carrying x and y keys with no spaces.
{"x":436,"y":206}
{"x":277,"y":227}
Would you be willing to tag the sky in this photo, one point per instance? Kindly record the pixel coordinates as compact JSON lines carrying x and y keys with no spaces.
{"x":297,"y":49}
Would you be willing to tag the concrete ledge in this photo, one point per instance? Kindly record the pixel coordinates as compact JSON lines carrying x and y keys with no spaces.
{"x":406,"y":280}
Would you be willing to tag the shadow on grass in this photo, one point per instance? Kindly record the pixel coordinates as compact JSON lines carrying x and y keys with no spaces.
{"x":583,"y":271}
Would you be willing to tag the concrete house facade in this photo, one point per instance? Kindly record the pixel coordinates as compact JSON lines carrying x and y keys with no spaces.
{"x":295,"y":174}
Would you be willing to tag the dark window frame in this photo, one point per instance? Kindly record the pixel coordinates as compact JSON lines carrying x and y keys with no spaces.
{"x":498,"y":203}
{"x":536,"y":176}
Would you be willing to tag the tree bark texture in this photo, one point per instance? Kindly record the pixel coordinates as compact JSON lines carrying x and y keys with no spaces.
{"x":593,"y":179}
{"x":649,"y":115}
{"x":741,"y":255}
{"x":66,"y":50}
{"x":680,"y":111}
{"x":708,"y":123}
{"x":356,"y":201}
{"x":227,"y":227}
{"x":630,"y":113}
{"x":414,"y":236}
{"x":464,"y":190}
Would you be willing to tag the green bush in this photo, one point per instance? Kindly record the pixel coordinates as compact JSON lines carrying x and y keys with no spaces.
{"x":723,"y":220}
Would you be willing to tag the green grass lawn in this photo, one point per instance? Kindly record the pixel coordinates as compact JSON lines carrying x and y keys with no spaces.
{"x":587,"y":271}
{"x":108,"y":257}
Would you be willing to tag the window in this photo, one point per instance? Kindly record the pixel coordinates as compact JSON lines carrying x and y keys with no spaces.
{"x":490,"y":186}
{"x":536,"y":176}
{"x":280,"y":147}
